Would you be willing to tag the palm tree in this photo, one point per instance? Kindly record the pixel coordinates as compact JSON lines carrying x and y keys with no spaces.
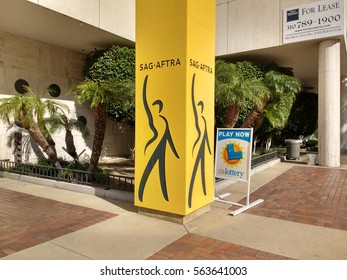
{"x":59,"y":121}
{"x":232,"y":90}
{"x":28,"y":111}
{"x":273,"y":119}
{"x":277,"y":112}
{"x":279,"y":85}
{"x":99,"y":98}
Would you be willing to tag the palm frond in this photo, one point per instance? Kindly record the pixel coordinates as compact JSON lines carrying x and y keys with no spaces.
{"x":282,"y":84}
{"x":232,"y":87}
{"x":79,"y":126}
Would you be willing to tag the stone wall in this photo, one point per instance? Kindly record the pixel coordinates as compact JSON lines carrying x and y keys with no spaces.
{"x":42,"y":65}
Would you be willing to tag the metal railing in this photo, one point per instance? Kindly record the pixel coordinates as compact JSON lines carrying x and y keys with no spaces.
{"x":108,"y":181}
{"x":259,"y":160}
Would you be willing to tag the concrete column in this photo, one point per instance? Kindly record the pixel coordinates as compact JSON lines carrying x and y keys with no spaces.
{"x":175,"y":56}
{"x":329,"y":103}
{"x":344,"y":114}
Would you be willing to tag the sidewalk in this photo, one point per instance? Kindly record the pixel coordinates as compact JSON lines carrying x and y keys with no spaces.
{"x":304,"y":216}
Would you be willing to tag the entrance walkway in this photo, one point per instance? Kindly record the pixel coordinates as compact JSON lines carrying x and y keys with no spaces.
{"x":304,"y":216}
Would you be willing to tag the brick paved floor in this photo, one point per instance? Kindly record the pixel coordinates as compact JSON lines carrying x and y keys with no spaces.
{"x":196,"y":247}
{"x":315,"y":196}
{"x":27,"y":220}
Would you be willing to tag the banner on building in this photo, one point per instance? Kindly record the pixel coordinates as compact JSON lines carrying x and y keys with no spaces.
{"x":313,"y":21}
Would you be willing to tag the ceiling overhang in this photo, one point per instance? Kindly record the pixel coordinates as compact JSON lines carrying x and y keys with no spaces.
{"x":36,"y":22}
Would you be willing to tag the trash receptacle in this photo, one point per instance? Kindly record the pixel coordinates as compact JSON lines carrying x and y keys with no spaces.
{"x":312,"y":158}
{"x":293,"y":148}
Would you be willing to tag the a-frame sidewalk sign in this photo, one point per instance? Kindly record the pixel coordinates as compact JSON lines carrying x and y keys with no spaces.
{"x":233,"y":162}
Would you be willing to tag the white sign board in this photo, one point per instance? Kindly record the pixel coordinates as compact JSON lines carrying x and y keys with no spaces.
{"x":313,"y":21}
{"x":233,"y":153}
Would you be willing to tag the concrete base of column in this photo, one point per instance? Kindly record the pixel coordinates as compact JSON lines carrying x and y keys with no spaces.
{"x":179,"y":219}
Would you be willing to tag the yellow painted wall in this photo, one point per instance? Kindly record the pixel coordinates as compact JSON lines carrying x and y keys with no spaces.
{"x":175,"y":50}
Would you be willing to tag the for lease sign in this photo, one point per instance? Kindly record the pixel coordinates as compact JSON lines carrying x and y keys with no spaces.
{"x":313,"y":21}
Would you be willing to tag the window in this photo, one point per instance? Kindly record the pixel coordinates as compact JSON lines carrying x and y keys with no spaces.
{"x":82,"y":119}
{"x":54,"y":90}
{"x":19,"y":86}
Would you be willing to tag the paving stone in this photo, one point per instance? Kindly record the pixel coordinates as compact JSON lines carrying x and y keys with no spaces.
{"x":28,"y":220}
{"x":315,"y":196}
{"x":192,"y":247}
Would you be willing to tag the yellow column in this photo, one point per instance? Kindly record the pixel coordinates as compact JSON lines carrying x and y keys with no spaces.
{"x":175,"y":54}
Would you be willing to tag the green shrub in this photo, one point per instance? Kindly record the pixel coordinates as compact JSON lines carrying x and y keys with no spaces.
{"x":116,"y":63}
{"x":311,"y":143}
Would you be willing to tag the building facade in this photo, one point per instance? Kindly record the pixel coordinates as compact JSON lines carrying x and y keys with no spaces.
{"x":44,"y":42}
{"x":312,"y":42}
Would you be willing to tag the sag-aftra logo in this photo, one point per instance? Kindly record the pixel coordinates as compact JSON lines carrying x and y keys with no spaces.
{"x":166,"y":63}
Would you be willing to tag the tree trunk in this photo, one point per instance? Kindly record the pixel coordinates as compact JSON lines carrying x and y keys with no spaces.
{"x":48,"y":136}
{"x":255,"y":141}
{"x":254,"y":114}
{"x":35,"y":132}
{"x":39,"y":138}
{"x":100,"y":128}
{"x":258,"y":122}
{"x":69,"y":142}
{"x":18,"y":146}
{"x":51,"y":142}
{"x":232,"y":114}
{"x":268,"y":142}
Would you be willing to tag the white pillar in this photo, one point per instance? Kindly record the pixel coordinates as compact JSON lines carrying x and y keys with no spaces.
{"x":344,"y":114}
{"x":329,"y":103}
